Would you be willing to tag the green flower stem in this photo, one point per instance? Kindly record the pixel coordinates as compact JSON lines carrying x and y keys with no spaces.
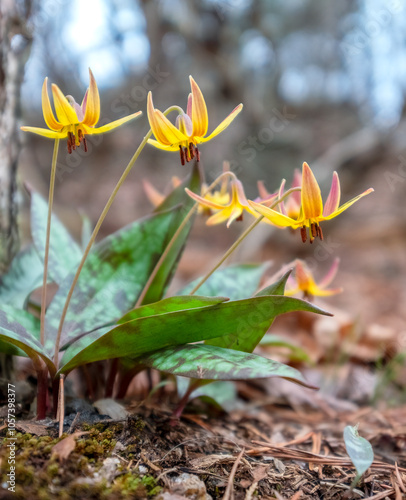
{"x":48,"y":234}
{"x":96,"y":230}
{"x":175,"y":237}
{"x":239,"y":240}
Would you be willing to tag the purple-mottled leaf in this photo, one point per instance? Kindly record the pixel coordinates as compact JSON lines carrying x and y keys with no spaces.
{"x":111,"y":280}
{"x":231,"y":320}
{"x":64,"y":252}
{"x":206,"y":362}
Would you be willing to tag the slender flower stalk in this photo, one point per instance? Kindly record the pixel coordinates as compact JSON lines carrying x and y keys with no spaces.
{"x":240,"y":239}
{"x":175,"y":237}
{"x":48,"y":234}
{"x":95,"y":232}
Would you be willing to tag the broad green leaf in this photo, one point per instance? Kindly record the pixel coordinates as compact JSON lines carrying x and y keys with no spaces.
{"x":64,"y":252}
{"x":111,"y":280}
{"x":204,"y":362}
{"x":236,"y":282}
{"x":259,"y":321}
{"x":21,"y":329}
{"x":359,"y":449}
{"x":277,"y":288}
{"x":183,"y":203}
{"x":296,"y":353}
{"x":23,"y":276}
{"x":171,"y":304}
{"x":132,"y":339}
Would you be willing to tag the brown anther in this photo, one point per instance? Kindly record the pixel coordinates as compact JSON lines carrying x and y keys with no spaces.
{"x":303,"y":234}
{"x":191,"y":150}
{"x":71,"y":142}
{"x":84,"y":143}
{"x":240,"y":218}
{"x":197,"y":154}
{"x":187,"y":154}
{"x":80,"y":135}
{"x":182,"y":155}
{"x":320,"y":232}
{"x":313,"y":229}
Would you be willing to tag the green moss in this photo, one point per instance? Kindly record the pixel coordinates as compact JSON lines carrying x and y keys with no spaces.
{"x":36,"y":470}
{"x":134,"y":486}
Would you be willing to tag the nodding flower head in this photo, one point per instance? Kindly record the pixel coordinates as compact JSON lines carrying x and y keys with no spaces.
{"x":74,"y":121}
{"x":190,"y":128}
{"x":311,"y":211}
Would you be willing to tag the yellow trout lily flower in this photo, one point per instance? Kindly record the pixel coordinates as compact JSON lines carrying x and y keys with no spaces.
{"x":231,"y":208}
{"x":312,"y":211}
{"x":190,"y":129}
{"x":306,"y":283}
{"x":74,"y":121}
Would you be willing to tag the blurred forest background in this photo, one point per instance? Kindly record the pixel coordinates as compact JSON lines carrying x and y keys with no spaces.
{"x":322,"y":82}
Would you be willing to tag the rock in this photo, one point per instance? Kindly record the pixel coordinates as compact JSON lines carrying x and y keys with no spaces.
{"x":189,"y":486}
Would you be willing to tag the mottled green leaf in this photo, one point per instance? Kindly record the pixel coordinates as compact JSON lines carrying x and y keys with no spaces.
{"x":21,"y":329}
{"x":23,"y":276}
{"x":111,"y":280}
{"x":183,"y":203}
{"x":227,"y":319}
{"x":236,"y":282}
{"x":64,"y":252}
{"x":296,"y":353}
{"x":203,"y":362}
{"x":171,"y":304}
{"x":259,"y":321}
{"x":359,"y":449}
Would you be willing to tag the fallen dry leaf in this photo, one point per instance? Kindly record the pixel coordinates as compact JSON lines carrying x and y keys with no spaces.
{"x":64,"y":448}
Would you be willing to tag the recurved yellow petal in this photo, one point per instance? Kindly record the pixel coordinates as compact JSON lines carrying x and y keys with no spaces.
{"x":203,"y":201}
{"x":347,"y":205}
{"x":64,"y":111}
{"x":45,"y":132}
{"x":165,"y":132}
{"x":49,"y":117}
{"x":275,"y":217}
{"x":312,"y":203}
{"x":200,"y":119}
{"x":92,"y":106}
{"x":158,"y":145}
{"x":112,"y":125}
{"x":224,"y":124}
{"x":219,"y":217}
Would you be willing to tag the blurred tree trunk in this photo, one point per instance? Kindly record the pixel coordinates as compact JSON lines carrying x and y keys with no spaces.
{"x":15,"y":45}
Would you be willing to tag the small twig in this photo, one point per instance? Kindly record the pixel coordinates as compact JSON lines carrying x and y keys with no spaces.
{"x":399,"y":478}
{"x":343,"y":487}
{"x":250,"y":491}
{"x":382,"y":495}
{"x":228,"y":495}
{"x":72,"y":425}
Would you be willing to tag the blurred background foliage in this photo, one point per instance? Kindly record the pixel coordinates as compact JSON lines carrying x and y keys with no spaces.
{"x":322,"y":82}
{"x":309,"y":73}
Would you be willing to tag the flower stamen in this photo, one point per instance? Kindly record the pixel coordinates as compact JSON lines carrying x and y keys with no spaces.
{"x":303,"y":234}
